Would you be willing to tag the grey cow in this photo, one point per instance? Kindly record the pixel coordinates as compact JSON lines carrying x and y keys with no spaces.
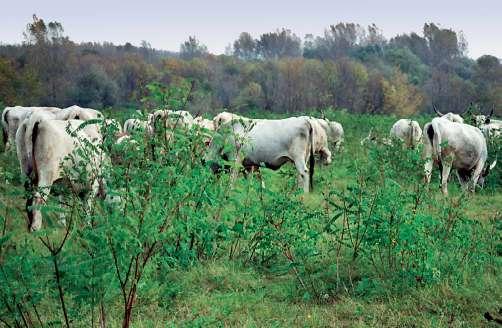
{"x":458,"y":146}
{"x":267,"y":143}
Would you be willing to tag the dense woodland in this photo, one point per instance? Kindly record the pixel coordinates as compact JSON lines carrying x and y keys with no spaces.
{"x":350,"y":66}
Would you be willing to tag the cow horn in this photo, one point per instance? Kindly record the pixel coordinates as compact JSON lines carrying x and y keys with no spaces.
{"x":491,"y":112}
{"x":489,"y":116}
{"x":436,"y":110}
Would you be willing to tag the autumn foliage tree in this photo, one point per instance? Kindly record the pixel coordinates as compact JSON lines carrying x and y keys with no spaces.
{"x":348,"y":66}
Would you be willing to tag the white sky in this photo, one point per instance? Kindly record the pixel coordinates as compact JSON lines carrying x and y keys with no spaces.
{"x":217,"y":23}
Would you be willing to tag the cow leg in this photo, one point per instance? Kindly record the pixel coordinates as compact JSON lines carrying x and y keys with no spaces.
{"x":10,"y":139}
{"x":93,"y":194}
{"x":303,"y":174}
{"x":260,"y":176}
{"x":35,"y":219}
{"x":62,"y":218}
{"x":235,"y":169}
{"x":475,"y":175}
{"x":445,"y":173}
{"x":255,"y":170}
{"x":326,"y":156}
{"x":40,"y":195}
{"x":427,"y":155}
{"x":464,"y":177}
{"x":461,"y":180}
{"x":428,"y":170}
{"x":29,"y":202}
{"x":8,"y":142}
{"x":98,"y":191}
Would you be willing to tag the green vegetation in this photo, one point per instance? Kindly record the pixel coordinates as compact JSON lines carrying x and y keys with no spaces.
{"x":175,"y":245}
{"x":180,"y":246}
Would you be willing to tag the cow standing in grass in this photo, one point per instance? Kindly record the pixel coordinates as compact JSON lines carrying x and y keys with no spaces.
{"x":408,"y":131}
{"x":169,"y":120}
{"x":334,"y":132}
{"x":324,"y":134}
{"x":204,"y":123}
{"x":490,"y":127}
{"x":133,"y":125}
{"x":51,"y":147}
{"x":267,"y":143}
{"x":78,"y":113}
{"x":458,"y":146}
{"x":227,"y":117}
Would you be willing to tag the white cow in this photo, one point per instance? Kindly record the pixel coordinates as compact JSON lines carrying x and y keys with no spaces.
{"x":455,"y":145}
{"x":320,"y":140}
{"x":78,"y":113}
{"x":133,"y":125}
{"x":480,"y":120}
{"x":226,"y":117}
{"x":408,"y":131}
{"x":334,"y":132}
{"x":171,"y":119}
{"x":490,"y":127}
{"x":268,"y":143}
{"x":204,"y":123}
{"x":24,"y":134}
{"x":12,"y":118}
{"x":485,"y":119}
{"x":324,"y":133}
{"x":49,"y":159}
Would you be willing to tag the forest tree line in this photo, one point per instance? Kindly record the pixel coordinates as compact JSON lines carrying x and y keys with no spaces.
{"x":349,"y":66}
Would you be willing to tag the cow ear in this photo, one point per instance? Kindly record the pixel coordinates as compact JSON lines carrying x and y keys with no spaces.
{"x":492,"y":166}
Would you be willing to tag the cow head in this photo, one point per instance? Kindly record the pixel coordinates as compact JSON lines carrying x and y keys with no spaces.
{"x":483,"y":119}
{"x":438,"y":113}
{"x":480,"y":120}
{"x":486,"y":171}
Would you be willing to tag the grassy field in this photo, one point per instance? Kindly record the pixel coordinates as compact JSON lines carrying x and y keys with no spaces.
{"x":222,"y":291}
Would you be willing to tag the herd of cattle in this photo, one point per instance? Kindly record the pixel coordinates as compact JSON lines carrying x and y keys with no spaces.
{"x":43,"y":139}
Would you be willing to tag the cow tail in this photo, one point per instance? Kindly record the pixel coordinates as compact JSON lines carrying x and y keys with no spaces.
{"x":311,"y":158}
{"x":436,"y":139}
{"x":21,"y":149}
{"x":28,"y":186}
{"x":5,"y":124}
{"x":415,"y":134}
{"x":32,"y":180}
{"x":34,"y":136}
{"x":4,"y":135}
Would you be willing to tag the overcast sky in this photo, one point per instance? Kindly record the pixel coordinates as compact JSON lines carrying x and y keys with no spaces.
{"x":166,"y":24}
